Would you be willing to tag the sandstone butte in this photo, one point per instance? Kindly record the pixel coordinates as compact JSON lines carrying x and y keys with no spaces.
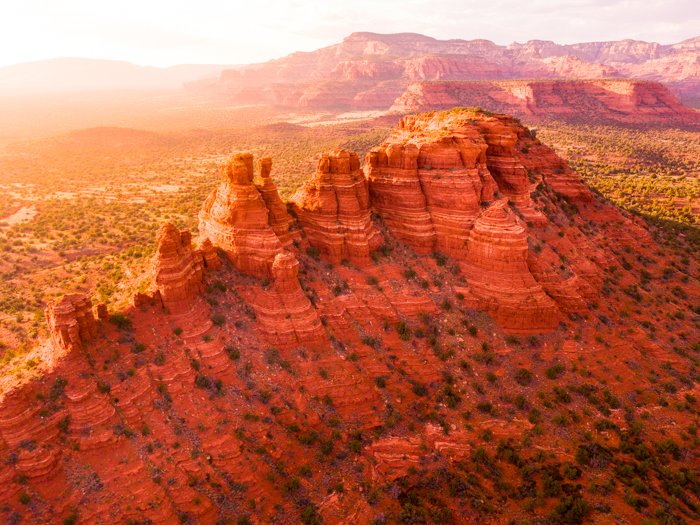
{"x":333,"y":210}
{"x":255,"y":376}
{"x":246,"y":220}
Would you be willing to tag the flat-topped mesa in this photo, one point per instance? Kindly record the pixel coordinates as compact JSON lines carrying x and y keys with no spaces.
{"x":498,"y":274}
{"x":178,"y":269}
{"x":285,"y":312}
{"x":71,"y":322}
{"x":621,"y":100}
{"x":333,"y":210}
{"x":235,"y":218}
{"x":279,"y":219}
{"x":429,"y":178}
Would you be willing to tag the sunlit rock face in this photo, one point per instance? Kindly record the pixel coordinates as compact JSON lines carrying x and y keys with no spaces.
{"x":235,"y":218}
{"x":178,"y":269}
{"x":71,"y":321}
{"x":459,"y":182}
{"x":333,"y":210}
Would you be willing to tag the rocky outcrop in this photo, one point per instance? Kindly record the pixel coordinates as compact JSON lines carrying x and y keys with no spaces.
{"x":209,"y":256}
{"x":235,"y":218}
{"x":501,"y":136}
{"x":433,"y":182}
{"x":71,"y":322}
{"x":498,"y":274}
{"x":619,"y":100}
{"x":541,"y":161}
{"x":285,"y":312}
{"x":431,"y":176}
{"x":360,"y":71}
{"x":333,"y":210}
{"x":178,"y":269}
{"x":279,"y":220}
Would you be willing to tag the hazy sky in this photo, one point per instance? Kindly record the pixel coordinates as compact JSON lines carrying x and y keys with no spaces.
{"x":160,"y":32}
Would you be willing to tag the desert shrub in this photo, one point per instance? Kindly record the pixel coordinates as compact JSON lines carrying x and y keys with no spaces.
{"x":121,"y":321}
{"x":555,"y":371}
{"x":571,"y":509}
{"x":403,"y":330}
{"x":593,"y":455}
{"x":523,"y":376}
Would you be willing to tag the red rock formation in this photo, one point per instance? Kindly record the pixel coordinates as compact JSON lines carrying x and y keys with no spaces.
{"x":180,"y":420}
{"x":541,"y":160}
{"x":285,"y":313}
{"x":498,"y":274}
{"x":501,"y":136}
{"x":623,"y":100}
{"x":280,"y":221}
{"x":333,"y":210}
{"x":361,"y":70}
{"x":71,"y":321}
{"x":429,"y":181}
{"x":177,"y":269}
{"x":209,"y":256}
{"x":235,"y":218}
{"x":431,"y":175}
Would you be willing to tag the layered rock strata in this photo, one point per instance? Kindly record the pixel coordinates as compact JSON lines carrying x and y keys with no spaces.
{"x":235,"y":218}
{"x":432,"y":182}
{"x":619,"y":100}
{"x":71,"y":321}
{"x":285,"y":312}
{"x":209,"y":256}
{"x":178,"y":269}
{"x":432,"y":175}
{"x":333,"y":210}
{"x":498,"y":274}
{"x":279,"y":219}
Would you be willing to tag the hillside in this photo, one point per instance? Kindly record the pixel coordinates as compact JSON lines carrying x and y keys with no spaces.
{"x":457,"y":330}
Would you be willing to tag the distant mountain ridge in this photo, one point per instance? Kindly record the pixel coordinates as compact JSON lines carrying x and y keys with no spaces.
{"x":370,"y":66}
{"x":85,"y":74}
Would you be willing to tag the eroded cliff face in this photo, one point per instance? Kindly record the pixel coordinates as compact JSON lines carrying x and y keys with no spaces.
{"x":235,"y":218}
{"x":178,"y":269}
{"x":285,"y":384}
{"x":370,"y":71}
{"x":278,"y":218}
{"x":618,"y":100}
{"x":498,"y":274}
{"x":285,"y":313}
{"x":71,"y":321}
{"x":434,"y":182}
{"x":334,"y":211}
